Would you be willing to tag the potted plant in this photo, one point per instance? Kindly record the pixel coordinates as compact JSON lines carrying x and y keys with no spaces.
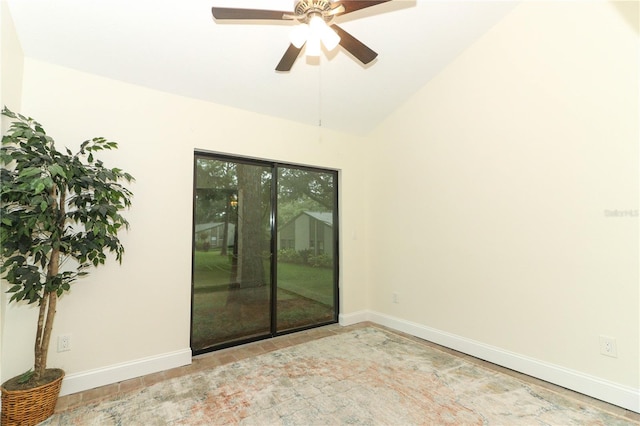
{"x":55,"y":206}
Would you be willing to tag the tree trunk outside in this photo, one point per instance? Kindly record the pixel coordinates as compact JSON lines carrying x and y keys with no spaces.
{"x":225,"y":232}
{"x":250,"y":239}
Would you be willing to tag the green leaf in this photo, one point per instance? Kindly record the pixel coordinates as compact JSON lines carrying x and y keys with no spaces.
{"x":57,"y":170}
{"x":38,"y":186}
{"x":28,"y":172}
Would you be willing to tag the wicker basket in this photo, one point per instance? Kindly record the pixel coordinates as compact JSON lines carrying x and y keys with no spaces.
{"x":30,"y":406}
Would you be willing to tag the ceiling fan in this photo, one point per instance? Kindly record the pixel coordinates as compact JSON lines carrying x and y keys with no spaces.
{"x":315,"y":27}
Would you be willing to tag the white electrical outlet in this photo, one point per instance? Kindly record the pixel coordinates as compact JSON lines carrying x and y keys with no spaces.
{"x":395,"y":298}
{"x":64,"y":342}
{"x":608,"y":346}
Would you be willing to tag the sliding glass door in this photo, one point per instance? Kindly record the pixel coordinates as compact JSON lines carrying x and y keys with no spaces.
{"x":231,"y":260}
{"x":264,"y":250}
{"x":306,"y":253}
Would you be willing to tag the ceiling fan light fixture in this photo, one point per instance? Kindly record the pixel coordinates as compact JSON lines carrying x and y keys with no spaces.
{"x":329,"y":38}
{"x":316,"y":23}
{"x":299,"y":35}
{"x":313,"y":34}
{"x":313,"y":45}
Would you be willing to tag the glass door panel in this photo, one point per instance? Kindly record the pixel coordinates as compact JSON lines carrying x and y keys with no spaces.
{"x":231,"y":260}
{"x":306,"y":248}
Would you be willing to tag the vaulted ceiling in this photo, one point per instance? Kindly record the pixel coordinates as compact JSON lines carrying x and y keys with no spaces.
{"x":176,"y":46}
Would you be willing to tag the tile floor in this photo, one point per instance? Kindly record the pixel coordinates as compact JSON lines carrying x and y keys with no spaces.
{"x":226,"y":356}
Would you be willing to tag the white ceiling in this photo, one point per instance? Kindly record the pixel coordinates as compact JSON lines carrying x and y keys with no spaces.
{"x":177,"y":47}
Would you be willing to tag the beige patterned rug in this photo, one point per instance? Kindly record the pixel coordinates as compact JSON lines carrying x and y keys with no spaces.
{"x":363,"y":377}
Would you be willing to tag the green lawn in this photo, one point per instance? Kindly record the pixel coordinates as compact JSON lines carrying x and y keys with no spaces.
{"x":213,"y":271}
{"x":305,"y":297}
{"x":307,"y":281}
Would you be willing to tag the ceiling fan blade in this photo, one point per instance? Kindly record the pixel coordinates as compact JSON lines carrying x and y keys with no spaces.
{"x":233,"y":13}
{"x":337,"y":9}
{"x":353,"y":5}
{"x":355,"y":46}
{"x":288,"y":58}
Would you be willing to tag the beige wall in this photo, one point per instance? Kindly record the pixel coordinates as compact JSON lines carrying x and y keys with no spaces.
{"x":497,"y":176}
{"x":11,"y":63}
{"x":142,"y":308}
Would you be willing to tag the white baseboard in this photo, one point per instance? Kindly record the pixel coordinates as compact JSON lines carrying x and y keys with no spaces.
{"x":90,"y":379}
{"x":354,"y":318}
{"x":613,"y":393}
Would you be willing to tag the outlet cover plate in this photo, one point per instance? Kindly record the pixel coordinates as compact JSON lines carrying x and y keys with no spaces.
{"x":64,"y":342}
{"x":608,"y":346}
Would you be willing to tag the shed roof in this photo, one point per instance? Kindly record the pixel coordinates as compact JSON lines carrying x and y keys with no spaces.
{"x":207,"y":226}
{"x":326,"y":217}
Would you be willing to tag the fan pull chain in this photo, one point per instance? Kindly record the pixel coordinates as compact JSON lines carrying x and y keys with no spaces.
{"x":320,"y":93}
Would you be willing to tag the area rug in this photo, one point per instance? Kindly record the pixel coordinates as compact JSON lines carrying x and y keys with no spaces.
{"x":363,"y":377}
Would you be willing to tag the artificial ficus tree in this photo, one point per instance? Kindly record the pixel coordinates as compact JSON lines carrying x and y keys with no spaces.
{"x":55,"y":206}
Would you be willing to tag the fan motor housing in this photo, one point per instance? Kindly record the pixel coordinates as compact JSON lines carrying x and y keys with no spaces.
{"x":304,"y":9}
